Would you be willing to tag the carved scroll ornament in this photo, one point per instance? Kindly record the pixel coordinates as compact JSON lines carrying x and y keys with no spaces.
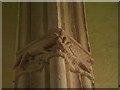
{"x":36,"y":55}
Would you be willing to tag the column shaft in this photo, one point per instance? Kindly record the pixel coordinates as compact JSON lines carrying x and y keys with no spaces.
{"x":24,"y":39}
{"x":57,"y":73}
{"x":82,"y":32}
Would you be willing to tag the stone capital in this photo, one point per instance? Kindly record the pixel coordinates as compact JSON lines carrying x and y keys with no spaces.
{"x":56,"y":43}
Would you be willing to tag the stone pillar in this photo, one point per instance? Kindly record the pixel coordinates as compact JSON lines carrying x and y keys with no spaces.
{"x":72,"y":20}
{"x":83,"y":36}
{"x":23,"y":40}
{"x":53,"y":46}
{"x":24,"y":25}
{"x":37,"y":20}
{"x":57,"y":72}
{"x":37,"y":78}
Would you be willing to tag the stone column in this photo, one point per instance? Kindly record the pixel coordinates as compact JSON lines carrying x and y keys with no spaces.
{"x":57,"y":72}
{"x":53,"y":46}
{"x":57,"y":63}
{"x":72,"y":20}
{"x":23,"y":40}
{"x":83,"y":36}
{"x":37,"y":78}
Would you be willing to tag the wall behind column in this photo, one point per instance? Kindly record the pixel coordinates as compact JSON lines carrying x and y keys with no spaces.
{"x":102,"y":27}
{"x":9,"y":29}
{"x":103,"y":32}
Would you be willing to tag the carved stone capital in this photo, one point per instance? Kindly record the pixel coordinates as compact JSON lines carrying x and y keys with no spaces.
{"x":56,"y":43}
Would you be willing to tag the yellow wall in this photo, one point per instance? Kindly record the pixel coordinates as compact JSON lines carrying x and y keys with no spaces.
{"x":103,"y":32}
{"x":102,"y":27}
{"x":9,"y":27}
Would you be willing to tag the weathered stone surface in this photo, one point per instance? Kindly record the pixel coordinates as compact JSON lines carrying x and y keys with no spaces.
{"x":34,"y":57}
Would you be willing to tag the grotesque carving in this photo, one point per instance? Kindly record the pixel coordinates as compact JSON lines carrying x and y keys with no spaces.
{"x":35,"y":56}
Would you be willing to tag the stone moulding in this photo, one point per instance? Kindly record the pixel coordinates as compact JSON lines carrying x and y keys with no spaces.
{"x":58,"y":43}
